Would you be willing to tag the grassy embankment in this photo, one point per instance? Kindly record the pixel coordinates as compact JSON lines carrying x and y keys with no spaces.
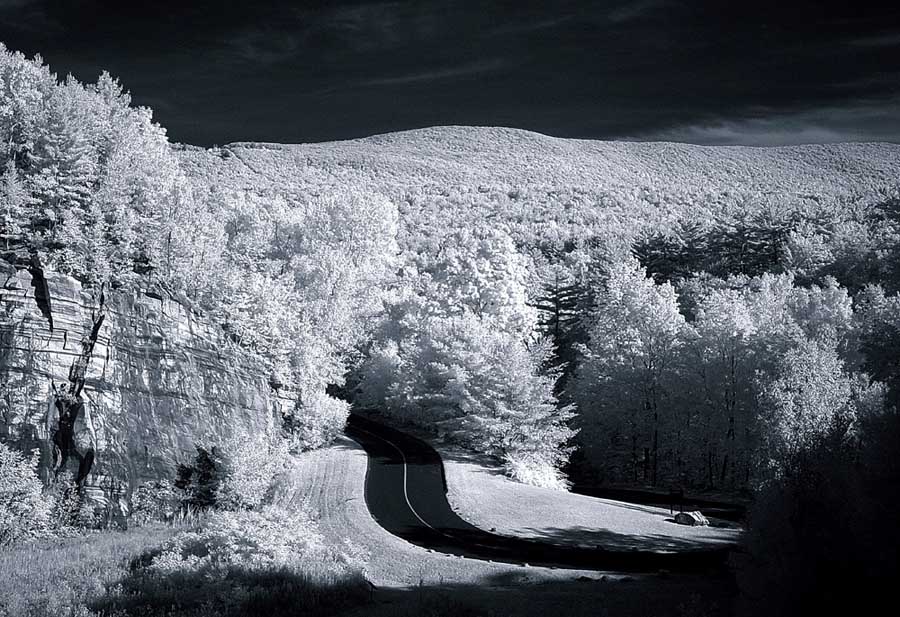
{"x":122,"y":574}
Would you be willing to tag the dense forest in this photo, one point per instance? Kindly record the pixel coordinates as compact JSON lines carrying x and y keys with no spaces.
{"x":744,"y":340}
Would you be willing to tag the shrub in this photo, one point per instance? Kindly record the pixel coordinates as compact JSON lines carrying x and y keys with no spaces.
{"x":153,"y":501}
{"x":25,"y":512}
{"x":248,"y":467}
{"x":315,"y":423}
{"x":69,"y":510}
{"x":267,"y":539}
{"x":529,"y":468}
{"x":272,"y":562}
{"x":236,"y":474}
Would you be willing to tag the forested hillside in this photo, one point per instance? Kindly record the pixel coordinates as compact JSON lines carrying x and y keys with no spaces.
{"x":669,"y":257}
{"x":664,"y":315}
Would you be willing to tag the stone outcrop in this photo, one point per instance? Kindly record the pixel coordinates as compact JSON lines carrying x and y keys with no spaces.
{"x":156,"y":380}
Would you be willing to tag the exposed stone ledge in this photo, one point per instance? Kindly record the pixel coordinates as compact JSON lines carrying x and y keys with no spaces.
{"x":160,"y":379}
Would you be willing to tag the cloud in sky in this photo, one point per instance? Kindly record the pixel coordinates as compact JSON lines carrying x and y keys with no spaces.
{"x":878,"y":40}
{"x":439,"y":74}
{"x":634,"y":10}
{"x":857,"y":121}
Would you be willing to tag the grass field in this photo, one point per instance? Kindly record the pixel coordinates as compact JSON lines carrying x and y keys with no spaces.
{"x":63,"y":577}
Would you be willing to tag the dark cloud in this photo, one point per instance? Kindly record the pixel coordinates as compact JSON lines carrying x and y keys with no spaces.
{"x":704,"y":70}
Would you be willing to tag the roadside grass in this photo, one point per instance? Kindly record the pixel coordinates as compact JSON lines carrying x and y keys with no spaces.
{"x":155,"y":570}
{"x":63,"y":577}
{"x":481,"y":494}
{"x":278,"y":592}
{"x":586,"y":597}
{"x":271,"y":561}
{"x":174,"y":571}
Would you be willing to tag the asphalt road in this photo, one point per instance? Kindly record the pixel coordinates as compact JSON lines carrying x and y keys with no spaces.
{"x":406,"y":493}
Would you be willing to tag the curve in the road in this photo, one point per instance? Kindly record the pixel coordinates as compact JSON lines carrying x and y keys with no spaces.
{"x":406,"y":493}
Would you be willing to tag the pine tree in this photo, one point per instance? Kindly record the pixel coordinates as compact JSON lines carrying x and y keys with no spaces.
{"x":200,"y":480}
{"x":674,"y":256}
{"x":559,"y":302}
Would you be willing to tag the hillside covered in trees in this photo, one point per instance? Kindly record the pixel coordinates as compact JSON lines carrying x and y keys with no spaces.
{"x":642,"y":314}
{"x":661,"y":277}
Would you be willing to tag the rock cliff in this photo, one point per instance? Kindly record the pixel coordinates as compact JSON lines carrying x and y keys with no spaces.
{"x":158,"y":379}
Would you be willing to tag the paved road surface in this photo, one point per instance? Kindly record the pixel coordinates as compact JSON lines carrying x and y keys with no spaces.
{"x":406,"y":494}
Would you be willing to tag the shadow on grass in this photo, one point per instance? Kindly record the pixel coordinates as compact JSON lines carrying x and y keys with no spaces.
{"x":484,"y":464}
{"x":518,"y":593}
{"x":605,"y":539}
{"x":232,"y":592}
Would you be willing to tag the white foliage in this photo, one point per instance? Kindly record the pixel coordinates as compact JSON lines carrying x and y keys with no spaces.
{"x":271,"y":539}
{"x":458,"y":354}
{"x":251,"y":462}
{"x":25,"y":512}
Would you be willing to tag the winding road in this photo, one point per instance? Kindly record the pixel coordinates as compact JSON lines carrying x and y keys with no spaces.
{"x":406,"y":494}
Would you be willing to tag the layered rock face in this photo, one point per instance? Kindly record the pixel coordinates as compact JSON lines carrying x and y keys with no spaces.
{"x":159,"y":379}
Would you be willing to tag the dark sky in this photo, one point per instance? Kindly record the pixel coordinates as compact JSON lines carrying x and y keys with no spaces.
{"x":703,"y":71}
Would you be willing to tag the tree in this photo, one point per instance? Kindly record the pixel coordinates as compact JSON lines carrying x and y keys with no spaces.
{"x":725,"y":362}
{"x":15,"y":212}
{"x":24,"y":509}
{"x":200,"y":480}
{"x":824,"y":478}
{"x":751,"y":245}
{"x":458,"y":354}
{"x":811,"y":396}
{"x":877,"y":320}
{"x":559,"y":300}
{"x":624,"y":386}
{"x":672,"y":257}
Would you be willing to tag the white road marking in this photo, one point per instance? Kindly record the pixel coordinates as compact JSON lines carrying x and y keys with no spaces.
{"x":405,"y":476}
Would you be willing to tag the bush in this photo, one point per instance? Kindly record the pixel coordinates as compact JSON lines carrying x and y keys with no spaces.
{"x":236,"y":474}
{"x":69,"y":510}
{"x":248,"y":466}
{"x":531,"y":469}
{"x":25,"y":512}
{"x":270,"y":562}
{"x":269,"y":539}
{"x":316,"y":423}
{"x":153,"y":501}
